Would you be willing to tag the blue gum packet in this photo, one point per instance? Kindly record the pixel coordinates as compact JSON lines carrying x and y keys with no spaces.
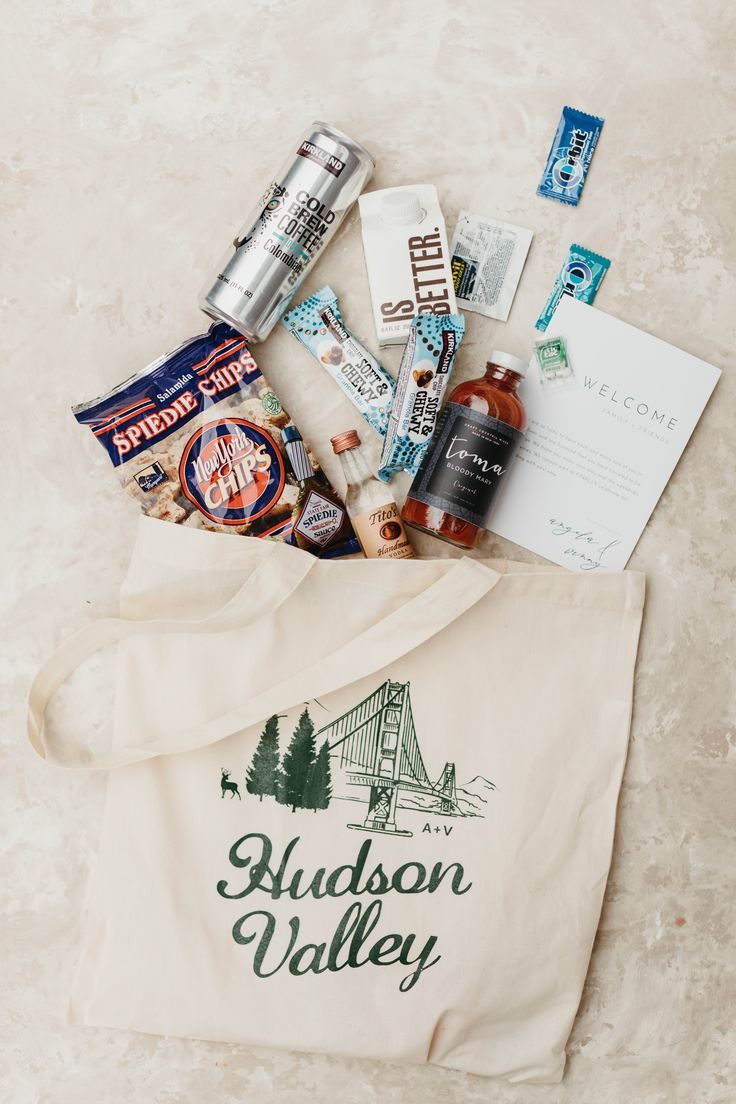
{"x":580,"y":276}
{"x":425,"y":371}
{"x":570,"y":155}
{"x":317,"y":323}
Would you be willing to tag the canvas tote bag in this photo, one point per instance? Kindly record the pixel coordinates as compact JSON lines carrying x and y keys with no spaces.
{"x":358,"y":807}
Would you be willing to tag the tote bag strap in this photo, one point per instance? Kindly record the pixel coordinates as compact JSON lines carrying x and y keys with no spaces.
{"x":396,"y":634}
{"x":259,"y":596}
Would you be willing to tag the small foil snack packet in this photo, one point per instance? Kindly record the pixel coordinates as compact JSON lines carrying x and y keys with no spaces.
{"x":553,"y":362}
{"x":317,"y":323}
{"x":570,"y":155}
{"x":424,"y":373}
{"x":580,"y":276}
{"x":197,"y":439}
{"x":487,"y":260}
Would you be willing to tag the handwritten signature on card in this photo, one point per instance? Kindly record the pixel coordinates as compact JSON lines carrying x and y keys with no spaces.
{"x":583,"y":545}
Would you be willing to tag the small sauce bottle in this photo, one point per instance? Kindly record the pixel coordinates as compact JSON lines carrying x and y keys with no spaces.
{"x":319,"y":519}
{"x":374,"y":514}
{"x":474,"y":442}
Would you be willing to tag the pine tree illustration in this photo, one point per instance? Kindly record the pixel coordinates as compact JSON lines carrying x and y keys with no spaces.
{"x":298,"y":762}
{"x":262,"y":776}
{"x":281,"y":787}
{"x":319,"y":784}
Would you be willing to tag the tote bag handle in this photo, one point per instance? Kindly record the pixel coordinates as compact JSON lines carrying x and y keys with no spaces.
{"x":393,"y":636}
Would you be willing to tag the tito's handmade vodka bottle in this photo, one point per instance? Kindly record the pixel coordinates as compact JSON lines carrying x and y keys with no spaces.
{"x":374,"y":514}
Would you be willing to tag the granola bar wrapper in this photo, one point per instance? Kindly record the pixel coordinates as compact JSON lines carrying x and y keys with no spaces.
{"x":317,"y":323}
{"x":424,"y":373}
{"x":196,"y":439}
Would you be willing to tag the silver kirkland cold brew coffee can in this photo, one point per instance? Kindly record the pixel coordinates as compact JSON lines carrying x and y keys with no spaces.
{"x":297,"y":216}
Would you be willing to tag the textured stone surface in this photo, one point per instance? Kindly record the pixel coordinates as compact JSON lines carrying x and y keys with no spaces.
{"x":136,"y":136}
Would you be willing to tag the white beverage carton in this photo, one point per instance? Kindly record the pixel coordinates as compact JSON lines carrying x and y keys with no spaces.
{"x":407,"y":258}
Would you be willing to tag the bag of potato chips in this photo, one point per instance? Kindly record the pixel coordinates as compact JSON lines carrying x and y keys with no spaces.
{"x":196,"y":438}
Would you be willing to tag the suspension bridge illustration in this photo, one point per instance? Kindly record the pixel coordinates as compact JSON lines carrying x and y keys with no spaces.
{"x":377,"y":746}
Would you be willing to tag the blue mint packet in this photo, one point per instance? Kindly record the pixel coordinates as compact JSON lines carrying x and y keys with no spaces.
{"x":569,"y":157}
{"x":580,"y":276}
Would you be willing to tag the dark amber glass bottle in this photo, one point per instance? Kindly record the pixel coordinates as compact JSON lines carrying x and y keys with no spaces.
{"x":475,"y":440}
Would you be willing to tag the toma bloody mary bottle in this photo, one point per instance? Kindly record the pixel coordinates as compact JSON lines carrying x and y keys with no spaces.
{"x":474,"y":442}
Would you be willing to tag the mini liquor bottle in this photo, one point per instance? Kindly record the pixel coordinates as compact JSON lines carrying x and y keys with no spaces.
{"x":319,"y":520}
{"x":374,"y":514}
{"x":477,"y":434}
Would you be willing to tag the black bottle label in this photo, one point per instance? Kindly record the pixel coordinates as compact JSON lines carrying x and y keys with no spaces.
{"x":463,"y":467}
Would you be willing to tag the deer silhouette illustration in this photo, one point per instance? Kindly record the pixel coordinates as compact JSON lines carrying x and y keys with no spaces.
{"x":231,"y":786}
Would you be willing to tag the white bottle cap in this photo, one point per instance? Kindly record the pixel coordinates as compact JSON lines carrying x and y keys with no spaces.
{"x":508,"y":360}
{"x":401,"y":208}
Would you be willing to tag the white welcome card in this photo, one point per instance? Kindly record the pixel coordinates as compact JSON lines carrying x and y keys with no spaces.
{"x":598,"y":454}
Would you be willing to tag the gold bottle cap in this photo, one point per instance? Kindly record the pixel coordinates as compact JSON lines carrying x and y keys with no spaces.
{"x":343,"y":441}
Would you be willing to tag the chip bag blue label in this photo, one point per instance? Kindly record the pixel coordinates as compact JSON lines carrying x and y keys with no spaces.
{"x":569,"y":157}
{"x":151,"y":477}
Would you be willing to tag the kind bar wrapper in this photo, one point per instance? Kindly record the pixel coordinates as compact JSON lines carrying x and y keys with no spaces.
{"x":318,"y":324}
{"x":487,"y":259}
{"x":569,"y":157}
{"x":580,"y":276}
{"x":196,"y":439}
{"x":423,"y":376}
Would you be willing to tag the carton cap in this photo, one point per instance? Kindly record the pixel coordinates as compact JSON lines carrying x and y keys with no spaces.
{"x":401,"y":208}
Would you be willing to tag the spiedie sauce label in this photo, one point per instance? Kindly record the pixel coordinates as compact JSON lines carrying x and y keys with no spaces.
{"x":232,"y":470}
{"x":320,"y":519}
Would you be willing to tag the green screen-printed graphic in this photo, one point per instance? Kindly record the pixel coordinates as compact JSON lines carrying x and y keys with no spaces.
{"x":363,"y":936}
{"x":376,"y":742}
{"x":302,"y":780}
{"x":226,"y":786}
{"x":318,"y":790}
{"x":376,"y":747}
{"x":368,"y":754}
{"x":298,"y":762}
{"x":263,"y":776}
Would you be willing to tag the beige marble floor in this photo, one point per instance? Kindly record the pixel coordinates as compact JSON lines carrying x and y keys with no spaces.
{"x":135,"y":137}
